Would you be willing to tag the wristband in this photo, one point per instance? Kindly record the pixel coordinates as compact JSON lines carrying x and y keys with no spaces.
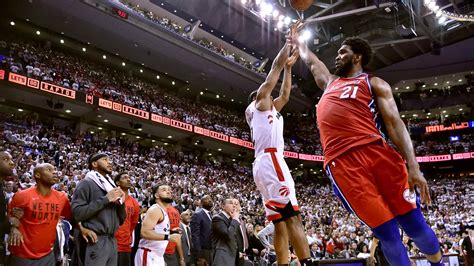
{"x":167,"y":237}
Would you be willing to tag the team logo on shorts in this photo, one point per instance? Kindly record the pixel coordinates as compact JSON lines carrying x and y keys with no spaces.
{"x":270,"y":119}
{"x":284,"y":191}
{"x":409,"y":196}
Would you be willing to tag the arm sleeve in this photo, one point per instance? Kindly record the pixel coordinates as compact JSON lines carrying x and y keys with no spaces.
{"x":222,"y":230}
{"x":263,"y":235}
{"x":121,"y":213}
{"x":195,"y":233}
{"x":135,"y":216}
{"x":82,"y":209}
{"x":66,"y":211}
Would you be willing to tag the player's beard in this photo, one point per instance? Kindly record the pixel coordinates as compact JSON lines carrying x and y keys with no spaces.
{"x":166,"y":200}
{"x":344,"y":69}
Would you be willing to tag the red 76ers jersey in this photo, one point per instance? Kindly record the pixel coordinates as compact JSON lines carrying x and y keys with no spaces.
{"x":347,"y":116}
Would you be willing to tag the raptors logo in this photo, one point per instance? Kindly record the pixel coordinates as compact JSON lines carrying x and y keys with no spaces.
{"x":284,"y":191}
{"x":270,"y":119}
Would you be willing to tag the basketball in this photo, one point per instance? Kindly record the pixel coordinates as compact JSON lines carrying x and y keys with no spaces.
{"x":301,"y":5}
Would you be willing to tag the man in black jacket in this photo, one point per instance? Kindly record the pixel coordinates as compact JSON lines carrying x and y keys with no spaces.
{"x":98,"y":205}
{"x":467,"y":247}
{"x":225,"y":227}
{"x":6,"y":169}
{"x":242,"y":237}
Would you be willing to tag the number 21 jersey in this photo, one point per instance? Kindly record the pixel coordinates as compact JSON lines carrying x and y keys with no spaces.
{"x":347,"y":116}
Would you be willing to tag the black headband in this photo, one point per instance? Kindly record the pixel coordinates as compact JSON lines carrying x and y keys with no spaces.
{"x":96,"y":157}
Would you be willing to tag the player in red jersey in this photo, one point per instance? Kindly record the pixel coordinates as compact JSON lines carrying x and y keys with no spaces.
{"x":369,"y":176}
{"x":125,"y":231}
{"x":42,"y":208}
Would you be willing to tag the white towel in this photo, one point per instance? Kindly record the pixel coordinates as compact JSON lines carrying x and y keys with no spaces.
{"x":104,"y":182}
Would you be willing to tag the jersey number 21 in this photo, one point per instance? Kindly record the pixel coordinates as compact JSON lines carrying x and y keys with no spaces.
{"x":349,"y":92}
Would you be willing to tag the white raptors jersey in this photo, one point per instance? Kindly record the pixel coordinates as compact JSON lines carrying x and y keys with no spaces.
{"x":266,"y":128}
{"x":158,"y":246}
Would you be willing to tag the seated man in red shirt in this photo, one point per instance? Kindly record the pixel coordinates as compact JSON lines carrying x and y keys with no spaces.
{"x":32,"y":242}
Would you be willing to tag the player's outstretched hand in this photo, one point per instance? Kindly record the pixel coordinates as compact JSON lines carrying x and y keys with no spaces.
{"x":416,"y":178}
{"x":293,"y":58}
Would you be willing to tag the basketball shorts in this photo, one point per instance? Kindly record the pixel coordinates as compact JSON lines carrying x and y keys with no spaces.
{"x":146,"y":257}
{"x":372,"y":182}
{"x":274,"y":181}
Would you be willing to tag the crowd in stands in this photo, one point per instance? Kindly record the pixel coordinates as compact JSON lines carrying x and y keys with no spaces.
{"x":179,"y":29}
{"x":45,"y":63}
{"x":332,"y":232}
{"x":444,"y":92}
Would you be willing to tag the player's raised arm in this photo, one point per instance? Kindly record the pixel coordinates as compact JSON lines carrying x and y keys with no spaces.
{"x":285,"y":89}
{"x":320,"y":72}
{"x":264,"y":101}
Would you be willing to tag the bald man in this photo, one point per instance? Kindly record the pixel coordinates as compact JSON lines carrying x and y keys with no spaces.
{"x":42,"y":207}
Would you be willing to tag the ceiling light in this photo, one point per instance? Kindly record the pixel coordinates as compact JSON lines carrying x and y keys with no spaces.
{"x":444,"y":111}
{"x":201,"y":93}
{"x":442,"y":20}
{"x":137,"y":137}
{"x":436,"y":84}
{"x":68,"y":111}
{"x":407,"y":87}
{"x":173,"y":83}
{"x":92,"y":132}
{"x":153,"y":140}
{"x":460,"y":80}
{"x":217,"y":96}
{"x":123,"y":134}
{"x":396,"y":88}
{"x":140,"y":129}
{"x":20,"y":110}
{"x":84,"y":49}
{"x":123,"y":63}
{"x":231,"y":100}
{"x":287,"y":20}
{"x":460,"y":109}
{"x":157,"y":77}
{"x":403,"y":116}
{"x":447,"y":82}
{"x":219,"y":149}
{"x":106,"y":121}
{"x":424,"y":86}
{"x":428,"y":113}
{"x":38,"y":32}
{"x":12,"y":23}
{"x":104,"y":57}
{"x":141,"y":70}
{"x":61,"y":41}
{"x":280,"y":24}
{"x":170,"y":137}
{"x":99,"y":128}
{"x":210,"y":154}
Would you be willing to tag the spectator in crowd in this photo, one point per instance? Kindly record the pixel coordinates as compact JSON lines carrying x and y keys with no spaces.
{"x":201,"y":232}
{"x":266,"y":237}
{"x":125,"y":231}
{"x":242,"y":237}
{"x":99,"y":206}
{"x":468,"y":247}
{"x":32,"y":242}
{"x":256,"y":247}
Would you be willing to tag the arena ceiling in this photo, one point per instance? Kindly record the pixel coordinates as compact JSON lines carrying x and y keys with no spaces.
{"x":397,"y":33}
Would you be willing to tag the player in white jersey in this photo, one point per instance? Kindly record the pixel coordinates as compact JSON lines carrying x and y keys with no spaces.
{"x":155,"y":232}
{"x":271,"y":174}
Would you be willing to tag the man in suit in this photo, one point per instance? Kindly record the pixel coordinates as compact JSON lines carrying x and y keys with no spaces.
{"x":225,"y":227}
{"x":242,"y":237}
{"x":201,"y":233}
{"x":186,"y":236}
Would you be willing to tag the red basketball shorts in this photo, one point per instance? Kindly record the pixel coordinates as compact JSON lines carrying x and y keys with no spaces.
{"x":372,"y":182}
